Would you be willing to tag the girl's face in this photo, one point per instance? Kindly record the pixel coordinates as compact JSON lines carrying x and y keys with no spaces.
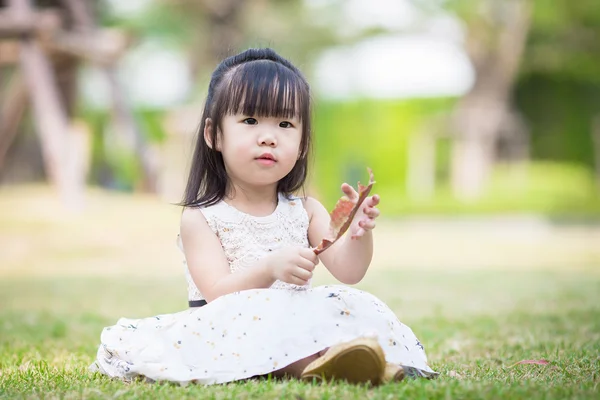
{"x":259,"y":151}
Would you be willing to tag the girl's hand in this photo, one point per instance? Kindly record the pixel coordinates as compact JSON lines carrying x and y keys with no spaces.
{"x":364,"y":220}
{"x":293,"y":265}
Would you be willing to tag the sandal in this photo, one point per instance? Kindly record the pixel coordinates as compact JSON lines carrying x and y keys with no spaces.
{"x":359,"y":361}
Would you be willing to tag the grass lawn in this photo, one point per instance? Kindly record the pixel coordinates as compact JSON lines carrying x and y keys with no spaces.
{"x":474,"y":325}
{"x":58,"y":292}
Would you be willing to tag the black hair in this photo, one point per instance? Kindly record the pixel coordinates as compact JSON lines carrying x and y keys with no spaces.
{"x":256,"y":82}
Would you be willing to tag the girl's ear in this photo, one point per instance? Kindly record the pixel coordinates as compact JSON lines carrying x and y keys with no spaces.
{"x":208,"y":127}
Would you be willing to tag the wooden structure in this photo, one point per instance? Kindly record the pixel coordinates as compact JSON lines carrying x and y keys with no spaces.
{"x":510,"y":146}
{"x":42,"y":47}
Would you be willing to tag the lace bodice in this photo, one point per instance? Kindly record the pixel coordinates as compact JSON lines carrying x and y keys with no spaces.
{"x":246,"y":239}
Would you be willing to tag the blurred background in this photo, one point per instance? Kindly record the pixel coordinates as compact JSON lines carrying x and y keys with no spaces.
{"x":480,"y":119}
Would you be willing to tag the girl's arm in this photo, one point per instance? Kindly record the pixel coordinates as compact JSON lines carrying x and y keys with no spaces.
{"x":208,"y":265}
{"x":348,"y":259}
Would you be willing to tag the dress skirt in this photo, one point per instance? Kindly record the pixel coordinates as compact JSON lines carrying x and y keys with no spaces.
{"x":253,"y":332}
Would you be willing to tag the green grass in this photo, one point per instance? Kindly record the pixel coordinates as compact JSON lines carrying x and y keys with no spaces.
{"x":475,"y":326}
{"x":64,"y":276}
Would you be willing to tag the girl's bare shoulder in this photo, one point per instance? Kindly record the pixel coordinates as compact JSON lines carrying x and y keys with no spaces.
{"x":313,"y":206}
{"x":193,"y":221}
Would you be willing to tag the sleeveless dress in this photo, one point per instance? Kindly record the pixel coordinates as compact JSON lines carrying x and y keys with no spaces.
{"x":258,"y":331}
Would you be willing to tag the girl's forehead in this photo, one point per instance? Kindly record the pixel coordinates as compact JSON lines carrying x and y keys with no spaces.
{"x":257,"y":112}
{"x":265,"y":89}
{"x":267,"y":106}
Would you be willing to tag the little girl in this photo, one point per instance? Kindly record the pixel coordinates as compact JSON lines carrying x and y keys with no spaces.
{"x":247,"y":241}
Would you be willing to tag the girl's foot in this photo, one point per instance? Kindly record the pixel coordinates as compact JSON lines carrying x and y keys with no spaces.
{"x":359,"y":361}
{"x":397,"y":373}
{"x":392,"y":373}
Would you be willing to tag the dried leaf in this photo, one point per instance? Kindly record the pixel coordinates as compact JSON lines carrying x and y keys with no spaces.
{"x":537,"y":362}
{"x":343,"y":213}
{"x":455,"y":374}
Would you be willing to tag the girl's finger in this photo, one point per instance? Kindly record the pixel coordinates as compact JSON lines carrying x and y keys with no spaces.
{"x":371,"y":212}
{"x":349,"y":191}
{"x":374,"y":200}
{"x":297,"y":281}
{"x":358,"y":233}
{"x":301,"y":278}
{"x":368,"y":225}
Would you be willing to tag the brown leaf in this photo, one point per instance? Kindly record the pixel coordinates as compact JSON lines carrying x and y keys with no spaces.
{"x":343,"y":213}
{"x":455,"y":374}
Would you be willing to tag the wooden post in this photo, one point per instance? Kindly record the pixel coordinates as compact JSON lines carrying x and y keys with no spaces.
{"x":12,"y":108}
{"x":495,"y":50}
{"x":124,"y":118}
{"x":421,"y":165}
{"x":82,"y":17}
{"x":29,"y":24}
{"x":49,"y":113}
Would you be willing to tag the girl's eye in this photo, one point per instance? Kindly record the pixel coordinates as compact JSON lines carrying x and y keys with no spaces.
{"x":250,"y":121}
{"x":285,"y":124}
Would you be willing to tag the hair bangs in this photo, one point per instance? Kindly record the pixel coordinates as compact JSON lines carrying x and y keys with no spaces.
{"x":264,"y":88}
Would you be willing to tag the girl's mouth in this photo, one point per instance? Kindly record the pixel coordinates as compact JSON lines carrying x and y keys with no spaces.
{"x":266,"y":159}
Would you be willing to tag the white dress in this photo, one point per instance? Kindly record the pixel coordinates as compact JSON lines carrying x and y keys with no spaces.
{"x":253,"y":332}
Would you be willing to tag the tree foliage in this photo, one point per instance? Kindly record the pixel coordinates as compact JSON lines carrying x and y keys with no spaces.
{"x":564,"y":40}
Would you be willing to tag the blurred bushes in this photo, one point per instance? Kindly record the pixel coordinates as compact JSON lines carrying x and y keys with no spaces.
{"x":114,"y":165}
{"x":559,"y":112}
{"x":550,"y":188}
{"x":350,"y":136}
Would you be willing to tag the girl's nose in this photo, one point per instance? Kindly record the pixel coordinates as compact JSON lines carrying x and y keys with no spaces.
{"x":267,"y":139}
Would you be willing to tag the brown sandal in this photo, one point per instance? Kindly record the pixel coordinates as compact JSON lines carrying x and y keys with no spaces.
{"x":359,"y":361}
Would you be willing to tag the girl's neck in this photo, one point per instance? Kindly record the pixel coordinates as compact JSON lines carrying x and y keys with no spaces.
{"x":258,"y":202}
